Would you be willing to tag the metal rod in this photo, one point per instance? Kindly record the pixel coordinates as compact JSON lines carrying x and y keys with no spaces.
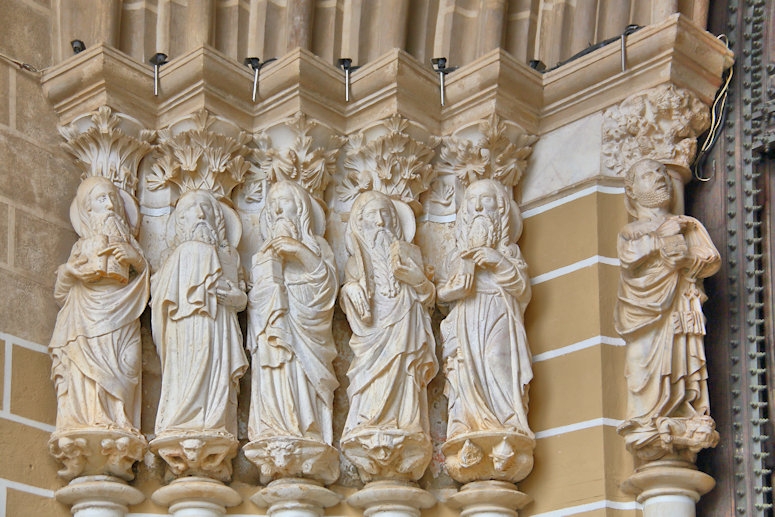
{"x":347,"y":85}
{"x":255,"y":83}
{"x":624,"y":51}
{"x":157,"y":60}
{"x":442,"y":86}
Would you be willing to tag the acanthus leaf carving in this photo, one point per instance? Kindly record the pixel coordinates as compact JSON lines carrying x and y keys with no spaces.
{"x":200,"y":158}
{"x":102,"y":146}
{"x":305,"y":162}
{"x":393,"y":163}
{"x":662,"y":124}
{"x":495,"y":155}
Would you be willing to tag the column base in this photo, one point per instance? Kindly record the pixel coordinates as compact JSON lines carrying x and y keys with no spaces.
{"x":668,"y":487}
{"x":489,"y":499}
{"x":295,"y":497}
{"x":196,"y":497}
{"x":99,"y":496}
{"x":391,"y":499}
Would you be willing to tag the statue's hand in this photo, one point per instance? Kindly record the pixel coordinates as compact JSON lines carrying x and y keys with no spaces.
{"x":230,"y":295}
{"x":483,"y":257}
{"x":357,"y":298}
{"x":71,"y":269}
{"x":288,"y":248}
{"x":672,"y":226}
{"x":409,"y":273}
{"x":123,"y":253}
{"x":458,"y":286}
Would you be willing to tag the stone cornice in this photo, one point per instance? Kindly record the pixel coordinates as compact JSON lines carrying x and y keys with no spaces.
{"x":675,"y":51}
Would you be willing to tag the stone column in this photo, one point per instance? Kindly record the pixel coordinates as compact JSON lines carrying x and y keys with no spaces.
{"x":96,"y":350}
{"x":489,"y":444}
{"x":668,"y":487}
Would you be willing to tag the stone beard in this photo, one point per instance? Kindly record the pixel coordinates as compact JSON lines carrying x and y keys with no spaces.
{"x":290,"y":309}
{"x":386,"y":298}
{"x":96,"y":345}
{"x":664,"y":258}
{"x":196,"y":295}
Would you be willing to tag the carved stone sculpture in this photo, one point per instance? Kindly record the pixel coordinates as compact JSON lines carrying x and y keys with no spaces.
{"x":96,"y":346}
{"x":386,"y":297}
{"x":290,"y":308}
{"x":487,"y":358}
{"x":196,"y":295}
{"x":664,"y":258}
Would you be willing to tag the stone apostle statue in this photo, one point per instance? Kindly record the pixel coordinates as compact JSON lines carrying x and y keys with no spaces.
{"x":386,"y":296}
{"x":96,"y":347}
{"x":290,"y":308}
{"x":664,"y":258}
{"x":196,"y":295}
{"x":487,"y":358}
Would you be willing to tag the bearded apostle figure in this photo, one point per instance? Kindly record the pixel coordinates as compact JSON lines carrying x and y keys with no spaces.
{"x":487,"y":358}
{"x":96,"y":347}
{"x":290,"y":308}
{"x":196,"y":295}
{"x":664,"y":258}
{"x":386,"y":297}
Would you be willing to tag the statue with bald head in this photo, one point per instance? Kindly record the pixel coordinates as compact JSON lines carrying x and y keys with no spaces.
{"x":664,"y":258}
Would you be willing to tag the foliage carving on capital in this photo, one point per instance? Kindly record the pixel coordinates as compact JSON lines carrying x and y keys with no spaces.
{"x":102,"y":146}
{"x":303,"y":161}
{"x":394,"y":162}
{"x":494,"y":155}
{"x":661,"y":124}
{"x":200,"y":158}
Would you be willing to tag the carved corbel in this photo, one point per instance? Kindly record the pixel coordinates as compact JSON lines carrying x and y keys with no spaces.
{"x":661,"y":124}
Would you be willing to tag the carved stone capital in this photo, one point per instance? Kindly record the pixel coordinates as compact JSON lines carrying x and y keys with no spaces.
{"x":201,"y":152}
{"x":487,"y":455}
{"x":489,"y":499}
{"x":295,"y":498}
{"x":392,"y":157}
{"x":95,"y":452}
{"x":195,"y":454}
{"x":661,"y":123}
{"x":388,"y":454}
{"x":494,"y":149}
{"x":670,"y":437}
{"x":391,"y":499}
{"x":291,"y":457}
{"x":103,"y":496}
{"x":670,"y":487}
{"x":108,"y":144}
{"x":301,"y":150}
{"x":198,"y":496}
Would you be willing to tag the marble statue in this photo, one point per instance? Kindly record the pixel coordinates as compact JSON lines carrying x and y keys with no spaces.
{"x":386,"y":297}
{"x":96,"y":347}
{"x":290,"y":308}
{"x":664,"y":258}
{"x":196,"y":295}
{"x":486,"y":354}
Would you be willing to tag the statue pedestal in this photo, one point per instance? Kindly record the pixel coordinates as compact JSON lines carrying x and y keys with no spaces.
{"x":489,"y":499}
{"x":99,"y":496}
{"x":668,"y":487}
{"x":295,"y":497}
{"x":196,"y":497}
{"x":391,"y":499}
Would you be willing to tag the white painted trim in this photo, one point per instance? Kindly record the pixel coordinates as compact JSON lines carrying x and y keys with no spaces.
{"x":597,"y":505}
{"x":581,"y":264}
{"x":602,"y":189}
{"x":7,"y":415}
{"x":43,"y":349}
{"x":575,"y":347}
{"x":23,"y":487}
{"x":578,"y":426}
